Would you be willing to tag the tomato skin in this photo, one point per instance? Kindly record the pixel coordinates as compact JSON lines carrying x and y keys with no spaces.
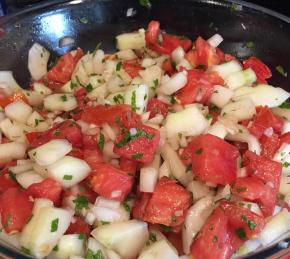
{"x":65,"y":130}
{"x":128,"y":165}
{"x":62,"y":71}
{"x":168,"y":198}
{"x":93,"y":157}
{"x":129,"y":119}
{"x":6,"y":183}
{"x":264,"y":119}
{"x":261,"y":70}
{"x":48,"y":189}
{"x":285,"y":138}
{"x":152,"y":33}
{"x":192,"y":57}
{"x":238,"y":217}
{"x":140,"y":205}
{"x":213,"y":240}
{"x":79,"y":226}
{"x":155,"y":107}
{"x":90,"y":142}
{"x":5,"y":100}
{"x":199,"y":87}
{"x":132,"y":68}
{"x":167,"y":67}
{"x":253,"y":189}
{"x":269,"y":145}
{"x":77,"y":152}
{"x":16,"y":210}
{"x":106,"y":180}
{"x":141,"y":149}
{"x":213,"y":159}
{"x":101,"y":113}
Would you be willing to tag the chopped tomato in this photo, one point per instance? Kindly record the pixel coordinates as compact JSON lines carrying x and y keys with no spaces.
{"x":140,"y":205}
{"x":267,"y":170}
{"x":15,"y":210}
{"x":93,"y":157}
{"x":168,"y":204}
{"x":19,"y":96}
{"x":132,"y":67}
{"x":6,"y":183}
{"x":168,"y":67}
{"x":129,"y":119}
{"x":253,"y":189}
{"x":140,"y":146}
{"x":111,"y":182}
{"x":77,"y":152}
{"x":62,"y":71}
{"x":270,"y":144}
{"x":261,"y":70}
{"x":199,"y":87}
{"x":192,"y":57}
{"x":225,"y":57}
{"x":206,"y":54}
{"x":128,"y":165}
{"x":80,"y":95}
{"x":102,"y":114}
{"x":152,"y":33}
{"x":48,"y":189}
{"x":78,"y":226}
{"x":90,"y":141}
{"x":265,"y":119}
{"x":213,"y":240}
{"x":285,"y":138}
{"x":156,"y":107}
{"x":213,"y":159}
{"x":65,"y":130}
{"x":243,"y":218}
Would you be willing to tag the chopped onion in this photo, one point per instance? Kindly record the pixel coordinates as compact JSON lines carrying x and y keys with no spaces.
{"x":221,"y":96}
{"x":148,"y":179}
{"x":109,"y":131}
{"x":18,"y":111}
{"x":28,"y":178}
{"x":60,"y":102}
{"x":226,"y":69}
{"x":175,"y":83}
{"x":11,"y":151}
{"x":7,"y":78}
{"x":199,"y":190}
{"x":17,"y":169}
{"x":127,"y":54}
{"x":177,"y":55}
{"x":215,"y":40}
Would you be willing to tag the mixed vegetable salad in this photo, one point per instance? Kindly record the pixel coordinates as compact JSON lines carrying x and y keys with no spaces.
{"x":166,"y":149}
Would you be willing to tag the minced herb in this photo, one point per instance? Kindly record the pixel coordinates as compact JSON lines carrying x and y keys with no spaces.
{"x":54,"y":225}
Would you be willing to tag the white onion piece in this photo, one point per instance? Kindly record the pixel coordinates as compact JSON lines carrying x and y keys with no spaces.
{"x":151,"y":76}
{"x":217,"y":129}
{"x":175,"y":83}
{"x":224,"y":192}
{"x":111,"y":254}
{"x":249,"y":246}
{"x":284,"y":187}
{"x":199,"y":190}
{"x":286,"y":127}
{"x":6,"y":89}
{"x":189,"y":122}
{"x":60,"y":102}
{"x":177,"y":167}
{"x":241,"y":110}
{"x":282,"y":112}
{"x":12,"y":150}
{"x":276,"y":226}
{"x":109,"y":131}
{"x":69,"y":171}
{"x":226,"y":69}
{"x":137,"y":97}
{"x":178,"y":54}
{"x":127,"y":54}
{"x":37,"y":61}
{"x":161,"y":249}
{"x":133,"y":40}
{"x":242,"y":78}
{"x":254,"y":207}
{"x":24,"y":161}
{"x":11,"y":240}
{"x":40,"y":203}
{"x":18,"y":111}
{"x":108,"y":150}
{"x":221,"y":96}
{"x":41,"y":88}
{"x":264,"y":95}
{"x":283,"y":156}
{"x":215,"y":40}
{"x":7,"y":78}
{"x":164,"y":170}
{"x":66,"y":41}
{"x":37,"y":235}
{"x":28,"y":178}
{"x":69,"y":245}
{"x":34,"y":98}
{"x":17,"y":169}
{"x":148,"y":179}
{"x":148,"y":62}
{"x":253,"y":143}
{"x":36,"y":121}
{"x":125,"y":238}
{"x":183,"y":63}
{"x":50,"y":152}
{"x":95,"y":246}
{"x":195,"y":218}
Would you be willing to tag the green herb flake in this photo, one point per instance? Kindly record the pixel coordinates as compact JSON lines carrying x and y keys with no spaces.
{"x":240,"y":232}
{"x":198,"y":151}
{"x":189,"y":168}
{"x":126,"y":205}
{"x":234,"y":7}
{"x":249,"y":206}
{"x":173,"y":64}
{"x":118,"y":99}
{"x":12,"y":176}
{"x":97,"y":47}
{"x":118,"y":66}
{"x":91,"y":255}
{"x":214,"y":239}
{"x":137,"y":156}
{"x":73,"y":85}
{"x":101,"y":142}
{"x":55,"y":248}
{"x":285,"y":105}
{"x":172,"y":99}
{"x":286,"y":164}
{"x":166,"y":229}
{"x":155,"y":82}
{"x":173,"y":218}
{"x":37,"y":121}
{"x":67,"y":177}
{"x":281,"y":71}
{"x":25,"y":250}
{"x":152,"y":237}
{"x":63,"y":98}
{"x":208,"y":116}
{"x":105,"y":222}
{"x":81,"y":236}
{"x":133,"y":101}
{"x":54,"y":225}
{"x":7,"y":221}
{"x":251,"y":224}
{"x":89,"y":88}
{"x":145,"y":3}
{"x":250,"y":45}
{"x":128,"y":137}
{"x":80,"y":203}
{"x":84,"y":20}
{"x":56,"y":132}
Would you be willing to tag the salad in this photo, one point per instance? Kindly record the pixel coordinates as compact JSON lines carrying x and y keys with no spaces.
{"x":168,"y":148}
